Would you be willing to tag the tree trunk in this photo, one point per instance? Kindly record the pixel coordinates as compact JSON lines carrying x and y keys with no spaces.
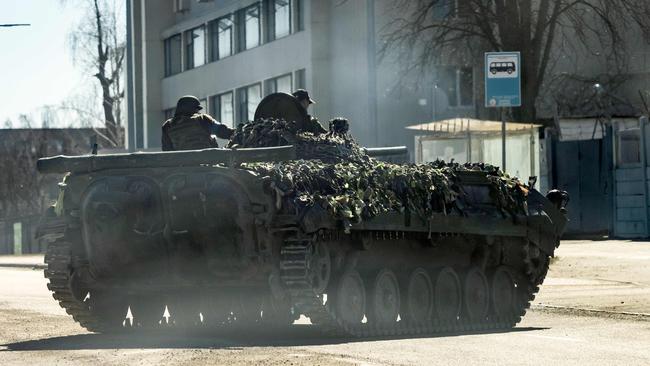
{"x":112,"y":127}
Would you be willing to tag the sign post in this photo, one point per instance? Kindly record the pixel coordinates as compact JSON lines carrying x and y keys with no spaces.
{"x":502,"y":87}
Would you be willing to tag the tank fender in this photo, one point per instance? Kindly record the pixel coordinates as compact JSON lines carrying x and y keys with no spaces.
{"x":316,"y":218}
{"x":541,"y":232}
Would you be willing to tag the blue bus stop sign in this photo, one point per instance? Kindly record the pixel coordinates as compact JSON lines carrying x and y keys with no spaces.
{"x":502,"y":79}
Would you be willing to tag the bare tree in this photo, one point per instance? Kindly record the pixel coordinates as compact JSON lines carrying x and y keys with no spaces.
{"x":23,"y":191}
{"x":423,"y":31}
{"x":98,"y":44}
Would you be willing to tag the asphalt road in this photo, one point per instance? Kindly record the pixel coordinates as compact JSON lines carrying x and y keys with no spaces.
{"x":591,"y":311}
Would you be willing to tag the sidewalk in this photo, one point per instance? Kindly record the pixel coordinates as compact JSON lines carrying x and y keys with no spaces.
{"x":34,"y":261}
{"x":607,"y":275}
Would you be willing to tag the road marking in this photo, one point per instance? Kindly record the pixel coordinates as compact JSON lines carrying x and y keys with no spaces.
{"x":556,"y":338}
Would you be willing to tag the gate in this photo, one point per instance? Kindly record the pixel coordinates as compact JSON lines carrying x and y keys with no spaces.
{"x":584,"y":169}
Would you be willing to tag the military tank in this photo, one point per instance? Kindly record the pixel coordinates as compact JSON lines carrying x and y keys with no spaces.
{"x":255,"y":235}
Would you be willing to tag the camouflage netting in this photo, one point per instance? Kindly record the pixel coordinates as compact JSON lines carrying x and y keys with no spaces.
{"x":339,"y":177}
{"x":330,"y":147}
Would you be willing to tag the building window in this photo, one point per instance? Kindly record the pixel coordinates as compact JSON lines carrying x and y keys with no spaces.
{"x":301,"y":79}
{"x":173,"y":55}
{"x":249,"y":27}
{"x":281,"y":18}
{"x":249,"y":97}
{"x":279,"y":84}
{"x":221,"y":37}
{"x":458,"y":84}
{"x":195,"y":47}
{"x":222,"y":108}
{"x":629,"y":146}
{"x":299,"y":19}
{"x":444,"y":9}
{"x":181,"y":6}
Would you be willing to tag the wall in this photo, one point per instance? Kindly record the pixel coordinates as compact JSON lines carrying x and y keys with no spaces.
{"x":248,"y":67}
{"x":156,"y":16}
{"x":632,"y":185}
{"x":630,"y":219}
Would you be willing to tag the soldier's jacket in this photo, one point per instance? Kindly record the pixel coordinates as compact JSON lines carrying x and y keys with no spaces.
{"x":193,"y":132}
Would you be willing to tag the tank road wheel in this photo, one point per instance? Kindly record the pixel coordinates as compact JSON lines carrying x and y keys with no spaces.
{"x":248,"y":308}
{"x":476,"y":294}
{"x":320,"y":267}
{"x":384,"y":298}
{"x":350,"y":303}
{"x":110,"y":307}
{"x":147,"y":310}
{"x":447,"y":294}
{"x":417,"y":302}
{"x":502,"y":292}
{"x":215,"y":308}
{"x":183,"y":310}
{"x":277,"y":312}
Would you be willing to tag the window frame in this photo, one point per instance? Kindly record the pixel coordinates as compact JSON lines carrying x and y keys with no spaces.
{"x":273,"y":19}
{"x":242,"y":27}
{"x":300,"y":79}
{"x":620,"y":133}
{"x":454,"y":7}
{"x":167,"y":49}
{"x":190,"y":57}
{"x":271,"y":85}
{"x":215,"y":110}
{"x":242,"y":102}
{"x":458,"y":86}
{"x":214,"y":39}
{"x":298,"y":16}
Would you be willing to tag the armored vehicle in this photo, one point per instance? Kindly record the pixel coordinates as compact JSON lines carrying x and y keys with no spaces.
{"x":256,"y":236}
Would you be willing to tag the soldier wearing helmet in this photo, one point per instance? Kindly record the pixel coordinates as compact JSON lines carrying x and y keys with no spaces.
{"x":190,"y":129}
{"x":312,"y":124}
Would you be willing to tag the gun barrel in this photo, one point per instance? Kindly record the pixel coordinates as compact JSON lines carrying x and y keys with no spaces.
{"x":230,"y":157}
{"x":387,"y":151}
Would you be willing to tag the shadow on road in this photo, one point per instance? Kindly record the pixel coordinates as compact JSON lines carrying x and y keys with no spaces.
{"x":297,"y":336}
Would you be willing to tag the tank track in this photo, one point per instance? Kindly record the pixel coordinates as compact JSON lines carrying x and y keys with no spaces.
{"x":58,"y":259}
{"x":296,"y":277}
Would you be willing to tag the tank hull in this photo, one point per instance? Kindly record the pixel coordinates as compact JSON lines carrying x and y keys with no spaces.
{"x":216,"y":246}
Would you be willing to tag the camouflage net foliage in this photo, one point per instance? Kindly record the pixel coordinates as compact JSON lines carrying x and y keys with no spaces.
{"x":336,"y":174}
{"x":330,"y":147}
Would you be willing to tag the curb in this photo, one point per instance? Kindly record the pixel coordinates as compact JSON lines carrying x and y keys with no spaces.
{"x":590,"y":312}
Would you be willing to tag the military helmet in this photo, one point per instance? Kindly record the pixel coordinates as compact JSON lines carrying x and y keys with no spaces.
{"x":302,"y":94}
{"x":339,"y":125}
{"x":188,"y":104}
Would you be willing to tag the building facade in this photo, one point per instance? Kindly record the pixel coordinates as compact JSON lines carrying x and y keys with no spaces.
{"x":231,"y":53}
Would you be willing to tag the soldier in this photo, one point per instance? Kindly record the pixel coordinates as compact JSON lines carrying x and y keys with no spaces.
{"x":305,"y":101}
{"x":190,"y":129}
{"x":339,"y":125}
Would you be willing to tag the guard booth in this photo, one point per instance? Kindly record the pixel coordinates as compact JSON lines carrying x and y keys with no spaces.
{"x":463,"y":140}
